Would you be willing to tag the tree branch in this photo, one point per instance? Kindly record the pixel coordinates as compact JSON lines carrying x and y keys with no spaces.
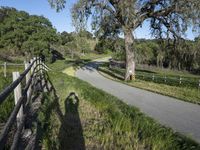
{"x":150,"y":13}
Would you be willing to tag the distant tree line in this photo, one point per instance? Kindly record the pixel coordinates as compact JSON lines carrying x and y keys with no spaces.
{"x":184,"y":55}
{"x":27,"y":35}
{"x":75,"y":44}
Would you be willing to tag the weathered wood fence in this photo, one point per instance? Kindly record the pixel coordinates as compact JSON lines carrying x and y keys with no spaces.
{"x":33,"y":75}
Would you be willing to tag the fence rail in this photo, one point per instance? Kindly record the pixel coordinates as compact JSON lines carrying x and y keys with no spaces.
{"x":5,"y":65}
{"x":10,"y":64}
{"x":169,"y":80}
{"x":33,"y":74}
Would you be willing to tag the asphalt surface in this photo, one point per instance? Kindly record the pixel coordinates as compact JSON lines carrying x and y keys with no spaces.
{"x":182,"y":117}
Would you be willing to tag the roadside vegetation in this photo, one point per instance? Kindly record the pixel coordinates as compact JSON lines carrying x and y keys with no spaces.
{"x":7,"y":106}
{"x":103,"y":121}
{"x":96,"y":120}
{"x":155,"y":82}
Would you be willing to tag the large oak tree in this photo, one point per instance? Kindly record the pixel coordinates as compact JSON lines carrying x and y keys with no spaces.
{"x":168,"y":18}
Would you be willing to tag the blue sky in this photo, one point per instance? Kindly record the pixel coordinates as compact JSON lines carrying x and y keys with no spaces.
{"x":62,"y":20}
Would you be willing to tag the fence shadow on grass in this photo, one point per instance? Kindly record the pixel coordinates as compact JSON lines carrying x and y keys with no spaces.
{"x":71,"y":132}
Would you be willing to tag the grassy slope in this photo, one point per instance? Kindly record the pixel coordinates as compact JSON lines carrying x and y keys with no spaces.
{"x":184,"y":93}
{"x":107,"y":122}
{"x":168,"y":72}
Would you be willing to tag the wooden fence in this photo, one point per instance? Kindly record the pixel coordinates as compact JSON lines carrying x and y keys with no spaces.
{"x":33,"y":76}
{"x":5,"y":66}
{"x":168,"y":80}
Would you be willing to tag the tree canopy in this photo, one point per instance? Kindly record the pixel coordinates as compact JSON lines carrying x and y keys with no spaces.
{"x":168,"y":18}
{"x":24,"y":34}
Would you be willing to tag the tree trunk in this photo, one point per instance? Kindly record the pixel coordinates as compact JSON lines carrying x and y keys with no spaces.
{"x":130,"y":63}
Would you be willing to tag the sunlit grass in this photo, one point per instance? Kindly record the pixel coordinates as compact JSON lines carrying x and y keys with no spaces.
{"x":109,"y":123}
{"x":185,"y":93}
{"x":70,"y":71}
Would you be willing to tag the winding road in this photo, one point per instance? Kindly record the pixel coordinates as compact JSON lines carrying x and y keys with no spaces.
{"x":182,"y":117}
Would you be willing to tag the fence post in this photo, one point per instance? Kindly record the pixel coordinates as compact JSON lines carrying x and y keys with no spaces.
{"x":165,"y":79}
{"x":35,"y":63}
{"x":40,"y":64}
{"x":5,"y":68}
{"x":153,"y":77}
{"x":28,"y":75}
{"x":32,"y":68}
{"x":180,"y":80}
{"x":199,"y":89}
{"x":17,"y":95}
{"x":199,"y":83}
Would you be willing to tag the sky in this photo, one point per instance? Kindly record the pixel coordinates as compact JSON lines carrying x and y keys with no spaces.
{"x":62,"y":20}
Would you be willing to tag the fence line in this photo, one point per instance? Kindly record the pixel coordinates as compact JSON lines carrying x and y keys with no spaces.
{"x":22,"y":98}
{"x":5,"y":66}
{"x":175,"y":81}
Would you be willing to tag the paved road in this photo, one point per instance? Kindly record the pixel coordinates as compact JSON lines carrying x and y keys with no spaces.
{"x":181,"y":116}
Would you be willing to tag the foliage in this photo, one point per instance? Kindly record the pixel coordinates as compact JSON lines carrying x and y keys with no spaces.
{"x":7,"y":106}
{"x":104,"y":45}
{"x":167,"y":18}
{"x":76,"y":44}
{"x":23,"y":34}
{"x":185,"y":56}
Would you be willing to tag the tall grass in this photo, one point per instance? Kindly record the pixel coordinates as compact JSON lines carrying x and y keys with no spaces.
{"x":172,"y":79}
{"x":7,"y":106}
{"x":174,"y":89}
{"x":117,"y":125}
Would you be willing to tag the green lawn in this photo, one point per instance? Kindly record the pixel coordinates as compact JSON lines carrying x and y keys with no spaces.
{"x":186,"y":92}
{"x":102,"y":121}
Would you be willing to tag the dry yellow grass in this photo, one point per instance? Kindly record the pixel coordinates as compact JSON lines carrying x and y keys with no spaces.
{"x":70,"y":71}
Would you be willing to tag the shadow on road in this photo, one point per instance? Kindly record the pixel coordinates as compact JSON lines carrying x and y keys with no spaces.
{"x":91,"y":66}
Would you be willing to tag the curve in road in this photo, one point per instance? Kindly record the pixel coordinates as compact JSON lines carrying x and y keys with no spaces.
{"x":182,"y":117}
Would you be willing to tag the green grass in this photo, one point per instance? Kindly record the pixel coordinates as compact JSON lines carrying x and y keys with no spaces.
{"x":7,"y":106}
{"x":186,"y":93}
{"x":109,"y":123}
{"x":169,"y":78}
{"x":169,"y":72}
{"x":106,"y":122}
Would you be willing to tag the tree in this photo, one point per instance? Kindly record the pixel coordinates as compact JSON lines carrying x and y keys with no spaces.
{"x":169,"y":18}
{"x":66,"y":37}
{"x":24,"y":34}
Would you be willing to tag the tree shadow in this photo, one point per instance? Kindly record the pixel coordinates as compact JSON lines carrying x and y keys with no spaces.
{"x":71,"y":132}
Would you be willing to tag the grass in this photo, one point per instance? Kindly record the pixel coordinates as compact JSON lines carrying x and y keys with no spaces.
{"x":7,"y":106}
{"x":70,"y":71}
{"x":169,"y":78}
{"x":168,"y":72}
{"x":69,"y":66}
{"x":102,"y":121}
{"x":108,"y":123}
{"x":186,"y":93}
